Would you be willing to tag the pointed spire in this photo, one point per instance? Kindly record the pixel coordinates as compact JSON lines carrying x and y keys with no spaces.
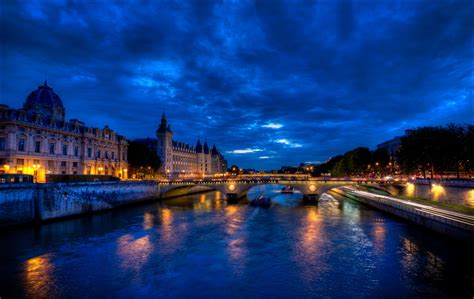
{"x":214,"y":150}
{"x":164,"y":127}
{"x":198,"y":146}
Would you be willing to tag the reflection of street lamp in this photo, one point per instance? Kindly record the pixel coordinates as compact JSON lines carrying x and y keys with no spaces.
{"x":125,"y":173}
{"x":35,"y":172}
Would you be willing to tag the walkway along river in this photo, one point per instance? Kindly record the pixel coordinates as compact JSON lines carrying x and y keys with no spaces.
{"x":200,"y":246}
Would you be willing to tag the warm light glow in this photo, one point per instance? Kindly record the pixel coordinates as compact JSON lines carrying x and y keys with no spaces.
{"x":312,"y":188}
{"x":231,"y":187}
{"x":437,"y":191}
{"x":410,"y":189}
{"x":470,"y":197}
{"x":38,"y":276}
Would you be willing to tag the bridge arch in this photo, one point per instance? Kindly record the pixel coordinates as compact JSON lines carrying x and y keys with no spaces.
{"x":234,"y":189}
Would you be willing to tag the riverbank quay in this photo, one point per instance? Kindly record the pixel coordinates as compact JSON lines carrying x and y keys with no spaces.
{"x":454,"y":224}
{"x":35,"y":203}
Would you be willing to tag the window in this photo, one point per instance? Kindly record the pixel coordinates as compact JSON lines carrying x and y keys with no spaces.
{"x":63,"y":163}
{"x":50,"y":164}
{"x":89,"y":152}
{"x":37,"y":146}
{"x":65,"y":149}
{"x":74,"y":164}
{"x":76,"y":151}
{"x":20,"y":162}
{"x":106,"y":154}
{"x":51,"y":148}
{"x":98,"y":154}
{"x":22,"y":129}
{"x":113,"y":155}
{"x":21,"y":145}
{"x":2,"y":144}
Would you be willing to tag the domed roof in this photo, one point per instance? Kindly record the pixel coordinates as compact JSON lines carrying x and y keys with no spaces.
{"x":46,"y":102}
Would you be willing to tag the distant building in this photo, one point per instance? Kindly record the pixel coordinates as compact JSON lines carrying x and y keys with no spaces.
{"x":391,"y":146}
{"x":37,"y":140}
{"x":181,"y":159}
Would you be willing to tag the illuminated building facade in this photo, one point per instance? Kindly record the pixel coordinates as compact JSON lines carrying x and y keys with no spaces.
{"x":180,"y":159}
{"x":37,"y":140}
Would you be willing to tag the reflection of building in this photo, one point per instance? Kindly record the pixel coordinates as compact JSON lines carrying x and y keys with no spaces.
{"x":178,"y":158}
{"x":37,"y":140}
{"x":391,"y":146}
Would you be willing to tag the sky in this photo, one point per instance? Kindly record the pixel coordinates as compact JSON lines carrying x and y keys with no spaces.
{"x":270,"y":82}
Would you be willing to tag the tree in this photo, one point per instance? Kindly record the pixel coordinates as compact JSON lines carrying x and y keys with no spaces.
{"x":141,"y":156}
{"x":357,"y":160}
{"x":437,"y":149}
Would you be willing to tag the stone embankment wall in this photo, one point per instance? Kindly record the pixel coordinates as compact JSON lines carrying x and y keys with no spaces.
{"x":38,"y":202}
{"x":456,"y":229}
{"x":460,"y":195}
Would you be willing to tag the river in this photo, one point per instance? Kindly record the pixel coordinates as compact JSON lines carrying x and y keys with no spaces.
{"x":200,"y":246}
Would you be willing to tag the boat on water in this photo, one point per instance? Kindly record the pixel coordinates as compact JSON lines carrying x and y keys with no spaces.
{"x":261,"y":201}
{"x":288,"y":190}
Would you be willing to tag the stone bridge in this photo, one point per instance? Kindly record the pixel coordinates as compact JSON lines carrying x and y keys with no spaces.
{"x":238,"y":188}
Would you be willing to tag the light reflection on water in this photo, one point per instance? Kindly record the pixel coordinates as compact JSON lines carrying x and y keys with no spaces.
{"x":200,"y":246}
{"x":38,"y":276}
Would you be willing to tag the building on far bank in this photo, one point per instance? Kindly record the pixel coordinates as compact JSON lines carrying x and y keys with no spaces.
{"x":179,"y":159}
{"x":391,"y":146}
{"x":37,"y":140}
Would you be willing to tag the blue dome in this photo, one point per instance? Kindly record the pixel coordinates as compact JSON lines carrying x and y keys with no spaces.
{"x":44,"y":101}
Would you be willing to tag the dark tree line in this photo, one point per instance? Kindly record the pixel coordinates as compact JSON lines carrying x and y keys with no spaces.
{"x":142,"y":160}
{"x":425,"y":150}
{"x":359,"y":161}
{"x":437,"y":150}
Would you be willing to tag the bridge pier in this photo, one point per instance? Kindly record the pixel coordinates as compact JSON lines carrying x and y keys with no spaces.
{"x":232,"y":196}
{"x":313,"y":197}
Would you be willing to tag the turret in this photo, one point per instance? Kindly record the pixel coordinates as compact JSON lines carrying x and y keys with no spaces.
{"x":214,"y":150}
{"x":198,"y":147}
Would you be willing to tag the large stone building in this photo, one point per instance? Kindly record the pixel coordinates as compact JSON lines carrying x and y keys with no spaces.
{"x":37,"y":140}
{"x":180,"y":160}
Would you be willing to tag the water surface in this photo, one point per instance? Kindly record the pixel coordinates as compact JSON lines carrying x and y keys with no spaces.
{"x":200,"y":246}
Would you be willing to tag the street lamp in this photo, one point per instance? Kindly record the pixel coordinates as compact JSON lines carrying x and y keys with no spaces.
{"x":100,"y":169}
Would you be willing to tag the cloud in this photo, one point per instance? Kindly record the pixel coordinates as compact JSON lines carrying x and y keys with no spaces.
{"x":288,"y":143}
{"x":272,"y":126}
{"x":245,"y":151}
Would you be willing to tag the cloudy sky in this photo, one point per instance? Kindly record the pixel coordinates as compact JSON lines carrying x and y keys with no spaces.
{"x":272,"y":83}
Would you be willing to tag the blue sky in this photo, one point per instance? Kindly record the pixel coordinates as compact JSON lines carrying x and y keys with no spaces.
{"x":272,"y":83}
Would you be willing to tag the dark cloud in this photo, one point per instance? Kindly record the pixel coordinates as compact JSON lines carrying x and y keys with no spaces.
{"x":292,"y":81}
